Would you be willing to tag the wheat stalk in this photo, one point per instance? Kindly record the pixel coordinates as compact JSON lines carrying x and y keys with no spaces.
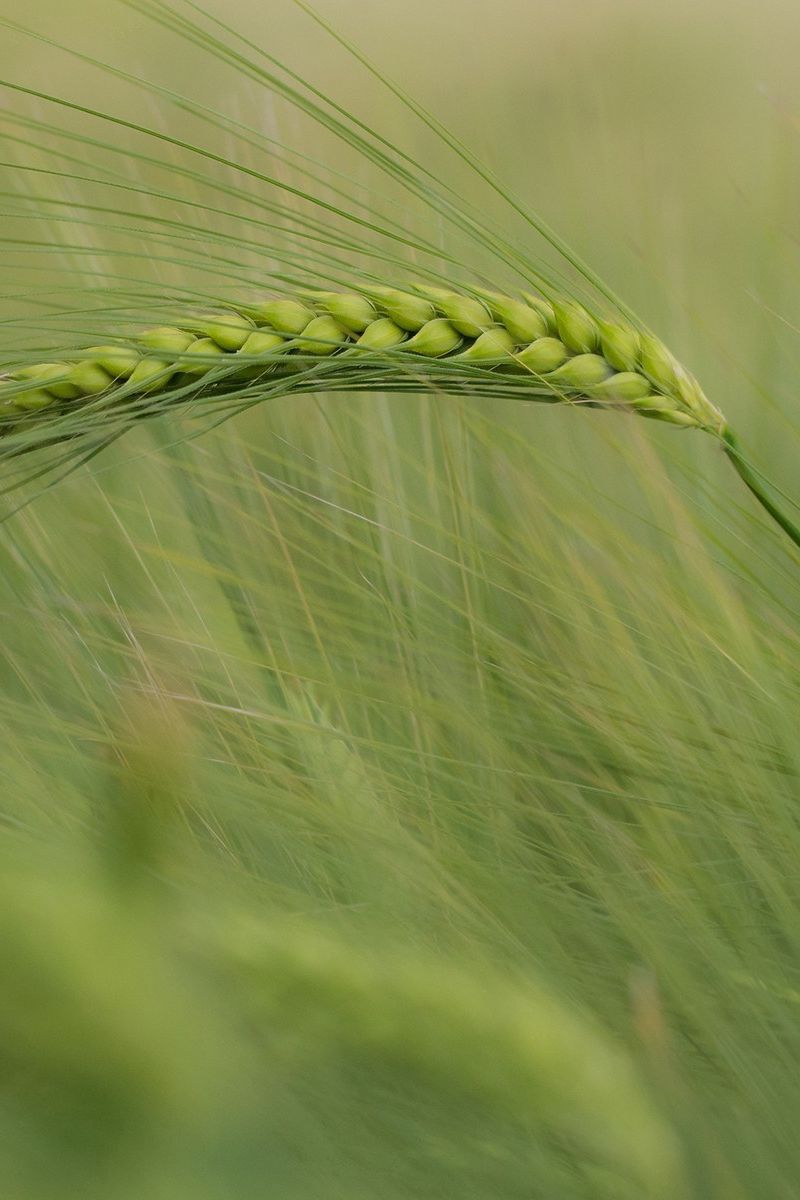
{"x":374,"y":337}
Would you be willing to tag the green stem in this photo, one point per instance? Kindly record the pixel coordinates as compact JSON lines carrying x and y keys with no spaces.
{"x":751,"y":480}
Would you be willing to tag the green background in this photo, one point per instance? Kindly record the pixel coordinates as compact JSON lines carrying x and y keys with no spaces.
{"x":360,"y":711}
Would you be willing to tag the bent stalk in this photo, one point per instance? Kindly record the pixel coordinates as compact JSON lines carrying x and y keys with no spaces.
{"x":751,"y":481}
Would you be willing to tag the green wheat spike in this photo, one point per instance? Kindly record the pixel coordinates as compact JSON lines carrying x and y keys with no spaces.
{"x":533,"y":348}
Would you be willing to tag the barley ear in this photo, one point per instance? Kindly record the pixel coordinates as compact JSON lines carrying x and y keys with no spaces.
{"x":478,"y":342}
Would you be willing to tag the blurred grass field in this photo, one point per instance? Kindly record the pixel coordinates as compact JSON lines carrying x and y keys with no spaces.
{"x":399,"y":793}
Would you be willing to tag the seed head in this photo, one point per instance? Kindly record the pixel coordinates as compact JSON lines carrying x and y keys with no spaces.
{"x":557,"y":345}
